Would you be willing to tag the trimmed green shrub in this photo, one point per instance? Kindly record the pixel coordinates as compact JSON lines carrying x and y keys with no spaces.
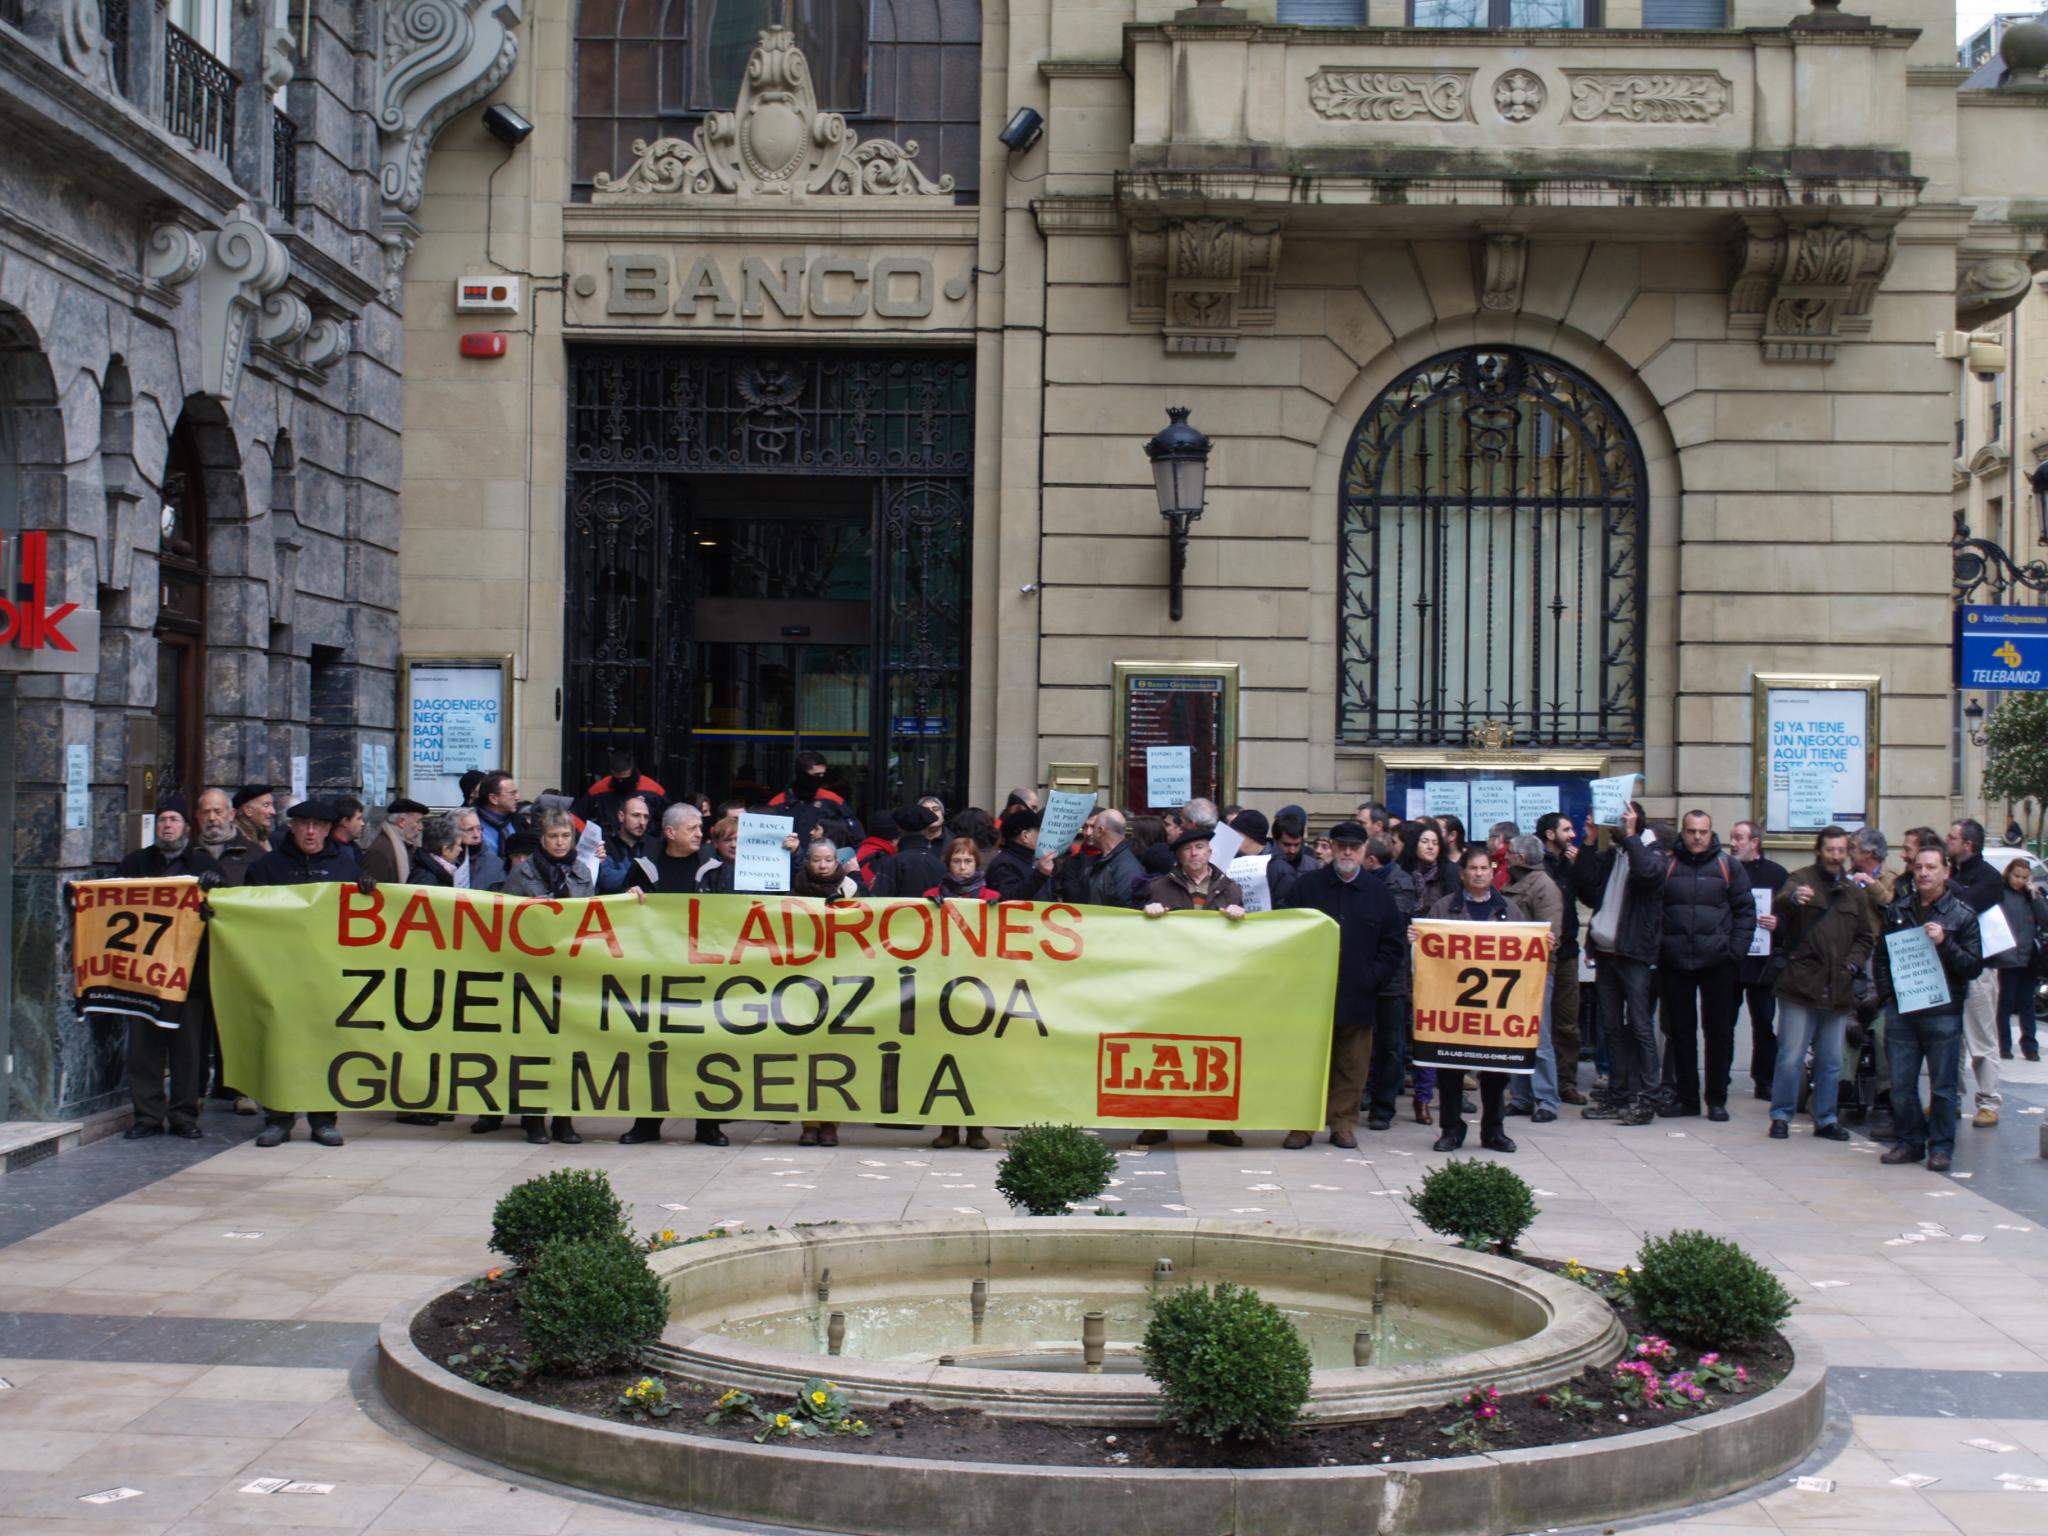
{"x":567,"y":1205}
{"x":1706,"y":1291}
{"x":591,"y":1305}
{"x":1481,"y":1204}
{"x":1046,"y":1168}
{"x":1230,"y":1366}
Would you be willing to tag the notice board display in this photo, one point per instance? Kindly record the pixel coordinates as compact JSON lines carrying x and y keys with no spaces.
{"x":1173,"y":704}
{"x":456,"y":714}
{"x":1489,"y":783}
{"x":1813,"y":754}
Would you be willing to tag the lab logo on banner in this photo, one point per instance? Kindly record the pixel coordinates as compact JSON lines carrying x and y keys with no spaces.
{"x":1183,"y":1077}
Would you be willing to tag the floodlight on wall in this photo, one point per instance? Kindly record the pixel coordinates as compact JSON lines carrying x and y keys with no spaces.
{"x":1024,"y":129}
{"x":507,"y":126}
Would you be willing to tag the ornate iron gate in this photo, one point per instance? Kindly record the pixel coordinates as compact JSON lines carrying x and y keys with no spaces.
{"x":641,"y":421}
{"x":1492,"y":511}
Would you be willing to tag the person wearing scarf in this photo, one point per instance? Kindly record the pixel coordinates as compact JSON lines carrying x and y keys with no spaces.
{"x":1475,"y":901}
{"x":550,"y":875}
{"x":1195,"y":885}
{"x":962,"y":881}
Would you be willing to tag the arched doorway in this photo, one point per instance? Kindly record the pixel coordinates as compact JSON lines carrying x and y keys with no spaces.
{"x":1492,"y":511}
{"x":181,"y":616}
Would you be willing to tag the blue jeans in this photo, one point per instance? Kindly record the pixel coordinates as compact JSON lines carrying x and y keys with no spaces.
{"x":1798,"y":1027}
{"x":1538,"y":1089}
{"x":1937,"y":1040}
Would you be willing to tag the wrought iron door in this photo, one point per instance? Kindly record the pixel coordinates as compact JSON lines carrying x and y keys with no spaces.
{"x":1492,"y":510}
{"x":642,"y":421}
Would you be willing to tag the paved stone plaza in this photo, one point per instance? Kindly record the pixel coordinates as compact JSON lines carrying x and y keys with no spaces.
{"x":184,"y":1318}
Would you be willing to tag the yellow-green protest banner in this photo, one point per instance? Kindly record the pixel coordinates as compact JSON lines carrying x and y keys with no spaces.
{"x":1479,"y":994}
{"x":771,"y":1008}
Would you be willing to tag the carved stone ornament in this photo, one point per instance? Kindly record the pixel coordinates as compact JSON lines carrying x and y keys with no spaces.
{"x":1390,"y":96}
{"x":1202,"y":281}
{"x":326,"y":343}
{"x":280,"y":58}
{"x":1673,"y":96}
{"x":173,"y":255}
{"x":1802,"y":288}
{"x":1989,"y":287}
{"x":246,"y":267}
{"x":1503,"y":260}
{"x":82,"y":40}
{"x":285,"y":318}
{"x":1519,"y":95}
{"x":435,"y":58}
{"x":775,"y":143}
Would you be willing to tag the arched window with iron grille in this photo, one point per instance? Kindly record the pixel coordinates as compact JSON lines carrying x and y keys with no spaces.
{"x":1492,"y":520}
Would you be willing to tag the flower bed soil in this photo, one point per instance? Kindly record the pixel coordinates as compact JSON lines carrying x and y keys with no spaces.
{"x":482,"y":1319}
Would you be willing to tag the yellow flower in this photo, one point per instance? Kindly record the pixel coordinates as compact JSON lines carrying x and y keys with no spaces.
{"x":782,"y":1421}
{"x":818,"y":1398}
{"x":729,"y":1396}
{"x":858,"y":1424}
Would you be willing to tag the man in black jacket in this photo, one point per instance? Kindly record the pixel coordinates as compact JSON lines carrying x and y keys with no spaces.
{"x":307,"y":858}
{"x":1560,"y":841}
{"x":1981,"y":886}
{"x":153,"y":1049}
{"x":1371,"y":947}
{"x":1932,"y":1035}
{"x":1709,"y":917}
{"x":914,"y":867}
{"x":1759,"y":973}
{"x":1624,"y":887}
{"x":1114,"y":876}
{"x":1017,"y":873}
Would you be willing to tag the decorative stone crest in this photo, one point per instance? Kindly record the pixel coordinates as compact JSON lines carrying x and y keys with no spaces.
{"x":1801,"y":288}
{"x":1989,"y":287}
{"x":775,"y":143}
{"x":1202,"y":281}
{"x":173,"y":255}
{"x":82,"y":39}
{"x":1390,"y":96}
{"x":326,"y":342}
{"x":1502,"y":261}
{"x":1691,"y":96}
{"x":1519,"y":95}
{"x":435,"y":58}
{"x":247,"y":267}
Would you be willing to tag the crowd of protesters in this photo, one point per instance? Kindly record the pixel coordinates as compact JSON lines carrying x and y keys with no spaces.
{"x":1661,"y":938}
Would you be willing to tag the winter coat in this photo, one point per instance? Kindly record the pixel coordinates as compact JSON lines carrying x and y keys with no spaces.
{"x":618,"y":867}
{"x":1764,"y":875}
{"x":1824,"y":939}
{"x":869,"y":855}
{"x":152,"y":863}
{"x":1013,"y":873}
{"x":2026,"y":916}
{"x":1177,"y":894}
{"x":1496,"y":909}
{"x":1372,"y":938}
{"x":1709,"y":915}
{"x":1560,"y":872}
{"x":1960,"y":949}
{"x":809,"y":815}
{"x":426,"y":871}
{"x":1641,"y":934}
{"x":1537,"y":894}
{"x":1115,"y":874}
{"x":602,"y":802}
{"x":486,"y":869}
{"x":678,"y":877}
{"x":529,"y":880}
{"x":911,"y":870}
{"x":1977,"y":883}
{"x":388,"y":859}
{"x":235,"y":856}
{"x":288,"y":866}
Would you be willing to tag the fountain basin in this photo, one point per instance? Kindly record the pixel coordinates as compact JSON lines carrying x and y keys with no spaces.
{"x":745,"y":1312}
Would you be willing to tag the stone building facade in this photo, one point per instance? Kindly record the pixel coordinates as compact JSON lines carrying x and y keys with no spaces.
{"x":204,"y":211}
{"x":1562,"y":379}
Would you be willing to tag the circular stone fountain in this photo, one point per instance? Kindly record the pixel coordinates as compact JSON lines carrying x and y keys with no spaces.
{"x":991,"y":1314}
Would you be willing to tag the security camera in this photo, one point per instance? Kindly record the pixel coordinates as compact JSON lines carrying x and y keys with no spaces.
{"x":1986,"y":357}
{"x":507,"y":126}
{"x":1024,"y":129}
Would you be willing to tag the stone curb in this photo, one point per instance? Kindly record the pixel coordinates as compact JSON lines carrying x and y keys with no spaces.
{"x":903,"y":1496}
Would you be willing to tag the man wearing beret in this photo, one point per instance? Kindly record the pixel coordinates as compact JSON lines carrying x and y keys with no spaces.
{"x":1371,"y":949}
{"x":913,"y":868}
{"x":388,"y":859}
{"x":254,"y":814}
{"x":307,"y":858}
{"x":180,"y":1050}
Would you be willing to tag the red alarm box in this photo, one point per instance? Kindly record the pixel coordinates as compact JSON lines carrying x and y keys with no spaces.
{"x":484,"y":344}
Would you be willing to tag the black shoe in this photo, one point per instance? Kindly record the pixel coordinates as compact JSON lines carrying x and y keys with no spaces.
{"x":1676,"y":1112}
{"x":273,"y":1135}
{"x":2004,"y":1053}
{"x":1903,"y":1153}
{"x":564,"y":1131}
{"x":1780,"y":1131}
{"x":1379,"y":1123}
{"x":142,"y":1130}
{"x":640,"y":1133}
{"x":1937,"y":1162}
{"x":1832,"y":1131}
{"x":1150,"y":1139}
{"x":1220,"y":1138}
{"x":1497,"y":1141}
{"x":1637,"y":1114}
{"x":188,"y":1133}
{"x":421,"y":1119}
{"x":1518,"y":1109}
{"x":536,"y":1130}
{"x":1543,"y":1117}
{"x":1450,"y":1141}
{"x":1717,"y":1112}
{"x":483,"y":1125}
{"x":1296,"y":1141}
{"x":2031,"y":1052}
{"x":326,"y":1135}
{"x":709,"y":1134}
{"x":1602,"y":1112}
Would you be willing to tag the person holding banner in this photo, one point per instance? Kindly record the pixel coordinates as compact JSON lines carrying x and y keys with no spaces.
{"x":1927,"y":920}
{"x":1369,"y":960}
{"x":551,"y":874}
{"x":1475,"y":901}
{"x":1530,"y":887}
{"x":179,"y":1048}
{"x":1828,"y":928}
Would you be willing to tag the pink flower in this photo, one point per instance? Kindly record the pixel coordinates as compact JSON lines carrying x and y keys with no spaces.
{"x":1488,"y":1411}
{"x":1710,"y":1359}
{"x":1741,"y":1374}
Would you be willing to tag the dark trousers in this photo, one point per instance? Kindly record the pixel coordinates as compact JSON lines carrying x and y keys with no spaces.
{"x":1763,"y":1035}
{"x":2016,"y":1003}
{"x":1493,"y":1089}
{"x":1692,"y":1002}
{"x":1937,"y":1040}
{"x":1564,"y":1019}
{"x":287,"y":1119}
{"x":1389,"y":1057}
{"x":154,"y":1052}
{"x":1625,"y":988}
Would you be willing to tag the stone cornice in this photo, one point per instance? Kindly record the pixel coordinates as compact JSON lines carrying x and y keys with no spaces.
{"x":87,"y":266}
{"x":1081,"y":69}
{"x":1076,"y":215}
{"x":325,"y":274}
{"x":1189,"y":189}
{"x":881,"y":221}
{"x":2017,"y":100}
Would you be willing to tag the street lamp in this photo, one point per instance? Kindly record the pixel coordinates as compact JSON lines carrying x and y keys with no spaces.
{"x":1973,"y":717}
{"x":2038,"y":479}
{"x":1180,"y":474}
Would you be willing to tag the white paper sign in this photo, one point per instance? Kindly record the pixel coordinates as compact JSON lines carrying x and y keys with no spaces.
{"x":588,"y":848}
{"x":1809,"y":799}
{"x":1065,"y":812}
{"x":1223,"y":846}
{"x":1610,"y":798}
{"x":1760,"y":940}
{"x":77,"y":786}
{"x":465,"y":744}
{"x":1169,"y":777}
{"x":1250,"y":875}
{"x":366,"y":771}
{"x":1493,"y":801}
{"x":380,"y":758}
{"x":299,"y":780}
{"x":1447,"y":797}
{"x":761,"y":863}
{"x":1533,"y":802}
{"x":1918,"y":980}
{"x":1415,"y":804}
{"x":1995,"y":931}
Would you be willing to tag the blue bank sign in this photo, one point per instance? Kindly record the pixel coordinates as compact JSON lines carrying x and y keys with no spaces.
{"x":2002,"y":648}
